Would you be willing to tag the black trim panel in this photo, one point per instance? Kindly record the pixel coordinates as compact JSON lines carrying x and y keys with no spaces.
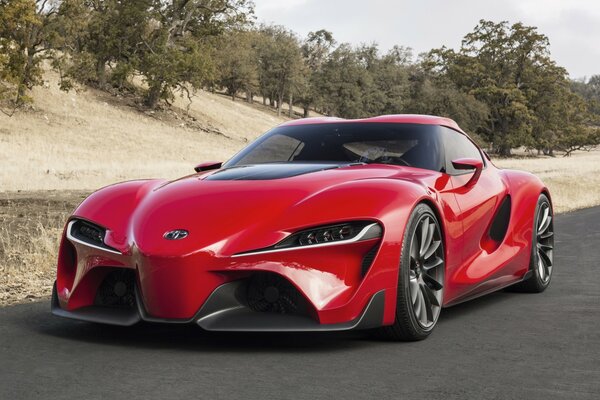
{"x":99,"y":314}
{"x":223,"y":311}
{"x":501,"y":220}
{"x":368,"y":260}
{"x":270,"y":171}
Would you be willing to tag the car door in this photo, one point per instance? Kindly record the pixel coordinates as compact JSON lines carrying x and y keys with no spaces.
{"x":477,"y":205}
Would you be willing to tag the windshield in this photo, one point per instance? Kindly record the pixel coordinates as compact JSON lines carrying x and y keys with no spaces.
{"x":412,"y":145}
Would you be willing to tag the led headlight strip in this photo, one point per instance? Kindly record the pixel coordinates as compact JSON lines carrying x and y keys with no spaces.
{"x":329,"y":235}
{"x":88,"y":234}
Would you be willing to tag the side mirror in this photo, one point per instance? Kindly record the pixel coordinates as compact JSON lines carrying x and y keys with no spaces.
{"x":207,"y":166}
{"x":469,"y":164}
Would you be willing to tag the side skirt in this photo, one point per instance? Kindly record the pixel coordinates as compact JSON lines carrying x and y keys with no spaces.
{"x":526,"y":276}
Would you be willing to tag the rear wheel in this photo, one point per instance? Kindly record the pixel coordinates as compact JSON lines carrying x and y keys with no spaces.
{"x":542,"y":250}
{"x":421,"y":278}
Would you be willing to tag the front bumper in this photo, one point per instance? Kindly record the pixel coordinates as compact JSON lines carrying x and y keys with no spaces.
{"x":224,"y":311}
{"x":350,"y":285}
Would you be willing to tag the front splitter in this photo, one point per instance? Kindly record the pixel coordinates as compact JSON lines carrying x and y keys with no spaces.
{"x":223,"y":311}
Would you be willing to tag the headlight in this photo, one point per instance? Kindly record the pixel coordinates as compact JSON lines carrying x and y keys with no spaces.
{"x":351,"y":231}
{"x":325,"y":236}
{"x":89,"y":234}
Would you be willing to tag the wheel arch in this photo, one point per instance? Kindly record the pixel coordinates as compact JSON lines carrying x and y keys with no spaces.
{"x":398,"y":327}
{"x":545,"y":191}
{"x":525,"y":190}
{"x":438,"y":214}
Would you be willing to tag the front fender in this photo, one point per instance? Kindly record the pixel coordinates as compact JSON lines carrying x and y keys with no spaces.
{"x":524,"y":189}
{"x":390,"y":202}
{"x":113,"y":206}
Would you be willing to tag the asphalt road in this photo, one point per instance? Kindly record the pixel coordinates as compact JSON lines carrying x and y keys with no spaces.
{"x":503,"y":346}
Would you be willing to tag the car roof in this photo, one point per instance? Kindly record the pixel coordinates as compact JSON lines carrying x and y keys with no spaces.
{"x":397,"y":119}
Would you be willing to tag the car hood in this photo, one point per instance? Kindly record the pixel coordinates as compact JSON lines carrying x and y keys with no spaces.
{"x":243,"y":208}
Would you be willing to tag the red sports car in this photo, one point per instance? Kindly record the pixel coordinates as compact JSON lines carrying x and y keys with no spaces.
{"x":319,"y":225}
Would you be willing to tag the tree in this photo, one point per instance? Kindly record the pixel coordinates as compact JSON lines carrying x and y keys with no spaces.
{"x":316,"y":49}
{"x":358,"y":82}
{"x":169,"y":43}
{"x":572,"y":125}
{"x":281,"y":66}
{"x":434,"y":93}
{"x":237,"y":60}
{"x":341,"y":83}
{"x":96,"y":35}
{"x":590,"y":92}
{"x":390,"y":73}
{"x":508,"y":68}
{"x":25,"y":32}
{"x":491,"y":65}
{"x":176,"y":51}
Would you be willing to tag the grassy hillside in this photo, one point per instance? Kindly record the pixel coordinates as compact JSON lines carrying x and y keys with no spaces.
{"x":88,"y":139}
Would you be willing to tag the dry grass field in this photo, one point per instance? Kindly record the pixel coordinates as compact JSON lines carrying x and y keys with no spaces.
{"x":574,"y":182}
{"x":73,"y":143}
{"x":89,"y":139}
{"x":30,"y":227}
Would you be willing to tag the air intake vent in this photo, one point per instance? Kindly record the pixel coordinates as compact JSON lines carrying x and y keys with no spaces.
{"x":117,"y":290}
{"x":368,"y":260}
{"x":267,"y":292}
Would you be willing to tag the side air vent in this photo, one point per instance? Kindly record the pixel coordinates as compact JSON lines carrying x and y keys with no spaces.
{"x":501,"y":219}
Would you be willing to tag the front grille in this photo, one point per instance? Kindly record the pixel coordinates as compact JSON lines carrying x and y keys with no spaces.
{"x":117,"y":290}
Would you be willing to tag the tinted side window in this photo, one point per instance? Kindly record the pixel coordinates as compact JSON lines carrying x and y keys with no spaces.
{"x":457,"y":145}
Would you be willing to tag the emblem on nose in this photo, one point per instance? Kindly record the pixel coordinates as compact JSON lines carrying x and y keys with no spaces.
{"x":176,"y":234}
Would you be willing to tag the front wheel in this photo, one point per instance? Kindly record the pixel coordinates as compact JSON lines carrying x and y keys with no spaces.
{"x":421,"y":278}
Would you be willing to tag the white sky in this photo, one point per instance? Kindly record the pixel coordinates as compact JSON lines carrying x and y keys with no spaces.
{"x":573,"y":26}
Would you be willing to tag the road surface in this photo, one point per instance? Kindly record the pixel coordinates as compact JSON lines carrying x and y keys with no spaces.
{"x":503,"y":346}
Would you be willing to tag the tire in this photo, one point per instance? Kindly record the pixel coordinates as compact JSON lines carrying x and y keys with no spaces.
{"x":420,"y":280}
{"x":541,"y":263}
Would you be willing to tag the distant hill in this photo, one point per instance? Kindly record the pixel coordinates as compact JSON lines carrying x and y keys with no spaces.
{"x":87,"y":139}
